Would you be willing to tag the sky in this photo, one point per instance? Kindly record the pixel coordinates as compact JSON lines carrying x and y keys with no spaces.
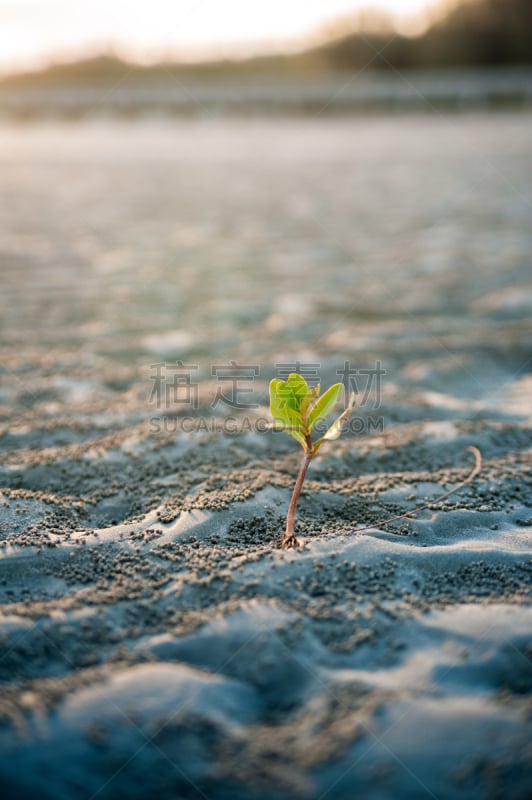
{"x":32,"y":32}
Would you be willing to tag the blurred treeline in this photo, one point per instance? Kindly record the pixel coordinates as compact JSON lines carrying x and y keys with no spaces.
{"x":474,"y":33}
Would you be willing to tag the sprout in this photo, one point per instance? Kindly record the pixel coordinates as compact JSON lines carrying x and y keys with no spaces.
{"x":297,"y":409}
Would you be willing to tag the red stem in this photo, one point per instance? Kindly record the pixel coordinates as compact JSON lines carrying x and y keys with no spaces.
{"x":289,"y":537}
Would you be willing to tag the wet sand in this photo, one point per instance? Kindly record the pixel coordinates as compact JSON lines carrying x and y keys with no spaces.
{"x":154,"y":641}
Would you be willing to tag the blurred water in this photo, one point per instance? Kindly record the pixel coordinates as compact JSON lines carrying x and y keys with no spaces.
{"x":173,"y":92}
{"x":407,"y":238}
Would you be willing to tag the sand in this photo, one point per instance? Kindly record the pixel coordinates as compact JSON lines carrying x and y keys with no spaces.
{"x":154,"y":640}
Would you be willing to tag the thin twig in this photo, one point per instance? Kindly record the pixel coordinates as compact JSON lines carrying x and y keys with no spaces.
{"x":474,"y":472}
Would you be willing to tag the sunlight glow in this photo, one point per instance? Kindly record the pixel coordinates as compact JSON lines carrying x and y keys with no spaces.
{"x":34,"y":31}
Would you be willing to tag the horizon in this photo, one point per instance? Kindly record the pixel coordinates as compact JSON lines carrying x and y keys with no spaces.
{"x":36,"y":35}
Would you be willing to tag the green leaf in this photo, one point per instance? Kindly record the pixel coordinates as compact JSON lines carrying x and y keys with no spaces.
{"x":290,"y":422}
{"x":285,"y":417}
{"x":312,"y":394}
{"x":294,"y":391}
{"x":323,"y":407}
{"x":334,"y":431}
{"x":280,"y":409}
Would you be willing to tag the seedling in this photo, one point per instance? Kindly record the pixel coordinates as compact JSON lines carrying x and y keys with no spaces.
{"x":297,"y":409}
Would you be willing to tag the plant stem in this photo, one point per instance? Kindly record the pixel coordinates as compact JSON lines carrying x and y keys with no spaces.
{"x":290,"y":539}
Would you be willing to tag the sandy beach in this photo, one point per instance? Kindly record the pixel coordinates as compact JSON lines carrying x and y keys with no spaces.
{"x":154,"y":640}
